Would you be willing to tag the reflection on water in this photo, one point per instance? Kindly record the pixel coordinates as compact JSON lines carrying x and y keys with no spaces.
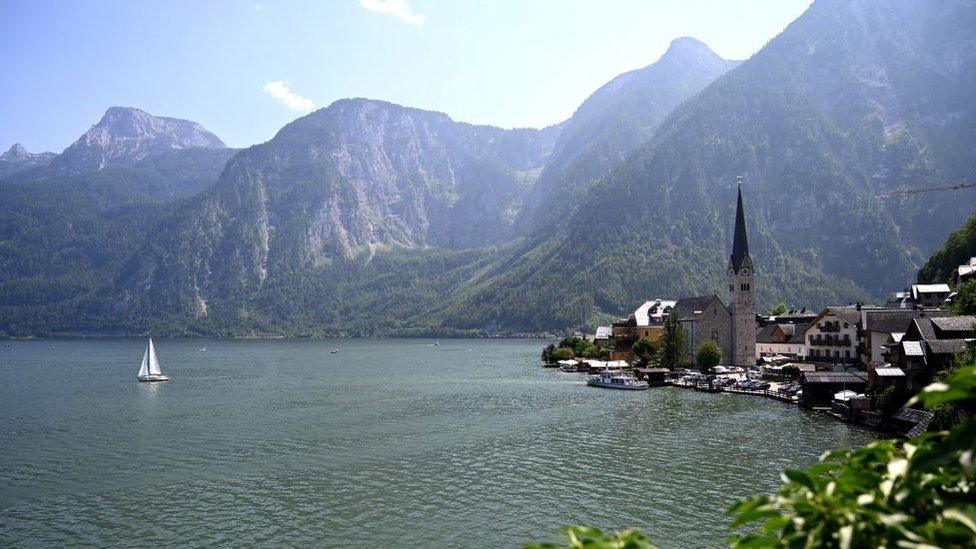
{"x":397,"y":442}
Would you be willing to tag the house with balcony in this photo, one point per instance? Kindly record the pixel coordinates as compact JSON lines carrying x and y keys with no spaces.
{"x":832,"y":337}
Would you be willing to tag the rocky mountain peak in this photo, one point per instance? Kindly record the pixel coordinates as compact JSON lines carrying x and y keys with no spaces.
{"x":687,"y":47}
{"x":16,"y":152}
{"x":125,"y":135}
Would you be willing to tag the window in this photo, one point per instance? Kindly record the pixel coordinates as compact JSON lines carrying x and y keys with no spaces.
{"x":845,"y":325}
{"x":744,"y":287}
{"x":847,"y":354}
{"x":731,"y":287}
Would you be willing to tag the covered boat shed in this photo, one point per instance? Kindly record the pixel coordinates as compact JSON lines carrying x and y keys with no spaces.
{"x":819,"y":388}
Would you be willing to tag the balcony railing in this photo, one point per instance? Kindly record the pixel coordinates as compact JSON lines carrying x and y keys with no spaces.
{"x":831,"y":341}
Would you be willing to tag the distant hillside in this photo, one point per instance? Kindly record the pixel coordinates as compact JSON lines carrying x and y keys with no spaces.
{"x":617,"y":119}
{"x":851,"y":99}
{"x":17,"y":159}
{"x":64,"y":233}
{"x":956,"y":251}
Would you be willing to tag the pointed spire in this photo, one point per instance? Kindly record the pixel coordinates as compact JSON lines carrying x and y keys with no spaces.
{"x":740,"y":243}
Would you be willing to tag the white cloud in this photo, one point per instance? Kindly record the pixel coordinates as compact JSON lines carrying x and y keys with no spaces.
{"x":398,"y":8}
{"x":282,"y":91}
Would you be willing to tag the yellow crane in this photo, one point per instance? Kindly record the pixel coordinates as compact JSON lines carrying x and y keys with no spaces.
{"x":919,"y":190}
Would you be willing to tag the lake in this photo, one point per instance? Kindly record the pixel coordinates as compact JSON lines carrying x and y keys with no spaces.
{"x":470,"y":443}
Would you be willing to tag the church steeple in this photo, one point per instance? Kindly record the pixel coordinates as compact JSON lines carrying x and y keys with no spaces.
{"x":742,"y":287}
{"x":740,"y":242}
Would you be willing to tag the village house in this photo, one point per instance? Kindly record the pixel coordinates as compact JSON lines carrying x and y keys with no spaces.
{"x":784,"y":340}
{"x":878,"y":328}
{"x":801,"y":316}
{"x":832,"y":336}
{"x":929,"y":345}
{"x":965,"y":272}
{"x":646,"y":321}
{"x":929,"y":296}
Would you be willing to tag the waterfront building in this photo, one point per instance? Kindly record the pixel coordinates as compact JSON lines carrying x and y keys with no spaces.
{"x":833,"y":336}
{"x":780,"y":340}
{"x":646,"y":321}
{"x":742,"y":297}
{"x":819,"y":388}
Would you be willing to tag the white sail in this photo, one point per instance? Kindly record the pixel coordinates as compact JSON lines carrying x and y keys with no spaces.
{"x":144,"y":369}
{"x":153,"y":361}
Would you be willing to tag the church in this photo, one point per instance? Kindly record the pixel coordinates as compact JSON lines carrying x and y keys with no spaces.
{"x":732,"y":327}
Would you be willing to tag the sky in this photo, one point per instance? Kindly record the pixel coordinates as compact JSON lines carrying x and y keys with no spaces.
{"x":243,"y":69}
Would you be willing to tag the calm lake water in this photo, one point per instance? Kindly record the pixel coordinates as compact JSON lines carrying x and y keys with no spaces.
{"x":388,"y":442}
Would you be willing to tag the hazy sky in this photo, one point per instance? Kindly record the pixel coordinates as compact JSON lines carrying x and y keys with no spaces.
{"x":243,"y":69}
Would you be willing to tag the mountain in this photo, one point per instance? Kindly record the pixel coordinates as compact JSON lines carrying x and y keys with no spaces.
{"x":64,"y":233}
{"x":18,"y":159}
{"x":956,"y":251}
{"x":368,"y":218}
{"x":346,"y":181}
{"x":613,"y":122}
{"x":851,"y":99}
{"x":126,"y":135}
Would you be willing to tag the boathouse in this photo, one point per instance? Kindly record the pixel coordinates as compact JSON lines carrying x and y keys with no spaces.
{"x":819,"y":388}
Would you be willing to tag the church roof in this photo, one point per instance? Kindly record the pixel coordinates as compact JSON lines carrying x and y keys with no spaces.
{"x":740,"y":243}
{"x":689,"y":308}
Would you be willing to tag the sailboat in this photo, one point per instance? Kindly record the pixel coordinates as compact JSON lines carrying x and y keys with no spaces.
{"x":149,"y":371}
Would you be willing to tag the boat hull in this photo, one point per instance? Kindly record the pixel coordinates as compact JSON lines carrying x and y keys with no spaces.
{"x":636,"y":387}
{"x":151,"y":378}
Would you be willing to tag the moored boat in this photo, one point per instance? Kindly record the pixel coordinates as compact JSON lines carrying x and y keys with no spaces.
{"x":610,"y":380}
{"x":149,"y":371}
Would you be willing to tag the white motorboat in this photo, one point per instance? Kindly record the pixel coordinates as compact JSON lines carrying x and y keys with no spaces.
{"x":611,"y":380}
{"x":149,"y":371}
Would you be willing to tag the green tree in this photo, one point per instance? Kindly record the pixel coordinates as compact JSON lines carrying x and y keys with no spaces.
{"x":709,"y":355}
{"x":778,"y":309}
{"x":965,"y":301}
{"x":547,"y":354}
{"x":646,"y":350}
{"x":672,"y":351}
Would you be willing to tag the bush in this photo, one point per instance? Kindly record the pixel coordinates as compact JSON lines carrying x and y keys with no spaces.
{"x":563,"y":353}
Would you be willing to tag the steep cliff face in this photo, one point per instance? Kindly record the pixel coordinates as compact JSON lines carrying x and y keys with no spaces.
{"x":338,"y":183}
{"x":125,"y":135}
{"x":613,"y":122}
